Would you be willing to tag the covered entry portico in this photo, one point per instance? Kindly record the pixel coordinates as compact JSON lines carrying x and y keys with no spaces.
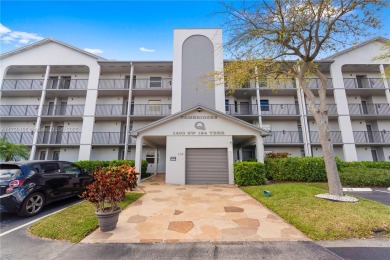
{"x":198,"y":144}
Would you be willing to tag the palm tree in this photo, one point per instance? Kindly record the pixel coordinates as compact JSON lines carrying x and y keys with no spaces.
{"x":10,"y":151}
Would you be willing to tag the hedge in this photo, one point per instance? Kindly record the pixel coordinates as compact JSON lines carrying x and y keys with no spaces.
{"x":365,"y":177}
{"x":249,"y":173}
{"x":308,"y":169}
{"x":365,"y":164}
{"x":91,"y":166}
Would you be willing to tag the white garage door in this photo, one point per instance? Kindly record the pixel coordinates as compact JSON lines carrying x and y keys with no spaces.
{"x":207,"y":166}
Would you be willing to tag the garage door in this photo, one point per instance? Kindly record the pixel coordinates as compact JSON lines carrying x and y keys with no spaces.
{"x":205,"y":166}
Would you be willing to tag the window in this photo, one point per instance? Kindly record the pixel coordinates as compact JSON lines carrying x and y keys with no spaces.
{"x":56,"y":155}
{"x":226,"y":105}
{"x":50,"y":168}
{"x":150,"y":156}
{"x":235,"y":106}
{"x":42,"y":155}
{"x":155,"y":82}
{"x":71,"y":168}
{"x":264,"y":104}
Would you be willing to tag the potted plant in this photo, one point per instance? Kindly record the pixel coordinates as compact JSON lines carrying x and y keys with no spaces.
{"x":106,"y":192}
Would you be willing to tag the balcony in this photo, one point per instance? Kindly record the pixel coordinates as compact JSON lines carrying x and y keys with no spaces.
{"x":165,"y":83}
{"x":80,"y":84}
{"x":369,"y":109}
{"x":110,"y":138}
{"x":150,"y":110}
{"x":63,"y":110}
{"x":316,"y":83}
{"x":369,"y":137}
{"x":241,"y":110}
{"x":332,"y":109}
{"x":335,"y":137}
{"x":19,"y":110}
{"x":111,"y":110}
{"x":284,"y":137}
{"x":18,"y":137}
{"x":22,"y":84}
{"x":364,"y":83}
{"x":58,"y":137}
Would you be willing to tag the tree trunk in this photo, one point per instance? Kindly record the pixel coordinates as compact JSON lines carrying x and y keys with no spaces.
{"x":332,"y":174}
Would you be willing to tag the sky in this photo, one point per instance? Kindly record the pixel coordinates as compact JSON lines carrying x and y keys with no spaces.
{"x":120,"y":30}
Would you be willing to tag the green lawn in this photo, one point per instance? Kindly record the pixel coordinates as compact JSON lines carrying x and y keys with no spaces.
{"x":321,"y":219}
{"x":75,"y":222}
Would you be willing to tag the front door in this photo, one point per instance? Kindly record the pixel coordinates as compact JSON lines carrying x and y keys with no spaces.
{"x":62,"y":110}
{"x":59,"y":132}
{"x":364,"y":107}
{"x":369,"y":134}
{"x":374,"y":156}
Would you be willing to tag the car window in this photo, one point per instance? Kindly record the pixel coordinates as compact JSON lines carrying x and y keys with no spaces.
{"x":50,"y":167}
{"x":9,"y":172}
{"x":71,"y":168}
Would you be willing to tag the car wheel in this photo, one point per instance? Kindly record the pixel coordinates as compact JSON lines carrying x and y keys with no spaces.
{"x":32,"y":205}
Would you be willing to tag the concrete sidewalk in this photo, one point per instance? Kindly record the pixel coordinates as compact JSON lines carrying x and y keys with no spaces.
{"x":196,"y":213}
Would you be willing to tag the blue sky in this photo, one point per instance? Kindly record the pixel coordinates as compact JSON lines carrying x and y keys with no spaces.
{"x":120,"y":29}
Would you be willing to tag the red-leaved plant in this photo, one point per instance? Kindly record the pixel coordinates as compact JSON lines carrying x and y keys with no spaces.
{"x":109,"y":187}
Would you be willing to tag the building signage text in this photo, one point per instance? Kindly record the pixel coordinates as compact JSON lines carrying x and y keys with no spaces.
{"x":198,"y":117}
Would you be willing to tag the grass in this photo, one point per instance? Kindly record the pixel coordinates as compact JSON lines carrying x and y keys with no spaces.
{"x":75,"y":222}
{"x":321,"y":219}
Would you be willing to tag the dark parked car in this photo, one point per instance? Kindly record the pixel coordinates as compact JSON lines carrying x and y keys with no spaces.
{"x":27,"y":186}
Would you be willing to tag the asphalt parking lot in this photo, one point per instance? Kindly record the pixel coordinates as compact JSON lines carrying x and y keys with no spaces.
{"x":381,"y":195}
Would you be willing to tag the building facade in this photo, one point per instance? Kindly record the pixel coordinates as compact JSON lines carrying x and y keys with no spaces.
{"x":68,"y":104}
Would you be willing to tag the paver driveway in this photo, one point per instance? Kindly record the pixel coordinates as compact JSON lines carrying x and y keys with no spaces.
{"x":194,"y":213}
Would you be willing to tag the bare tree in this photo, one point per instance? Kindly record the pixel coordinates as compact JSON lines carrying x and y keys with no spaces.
{"x":281,"y":39}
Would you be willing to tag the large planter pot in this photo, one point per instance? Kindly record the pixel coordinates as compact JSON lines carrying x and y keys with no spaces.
{"x":108,"y":220}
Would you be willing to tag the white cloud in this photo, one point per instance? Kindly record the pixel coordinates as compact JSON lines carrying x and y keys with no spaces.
{"x":16,"y":37}
{"x":94,"y":51}
{"x":4,"y":29}
{"x":143,"y":49}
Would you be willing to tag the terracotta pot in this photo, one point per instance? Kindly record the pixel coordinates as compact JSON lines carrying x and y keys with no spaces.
{"x":108,"y":220}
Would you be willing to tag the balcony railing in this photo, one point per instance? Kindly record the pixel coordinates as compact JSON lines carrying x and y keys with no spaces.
{"x":67,"y":84}
{"x":18,"y":110}
{"x":369,"y":109}
{"x":316,"y":83}
{"x":58,"y":137}
{"x":374,"y":83}
{"x":137,"y":83}
{"x":150,"y":110}
{"x":108,"y":138}
{"x":284,"y":137}
{"x":63,"y":110}
{"x":332,"y":109}
{"x":34,"y":84}
{"x":366,"y":137}
{"x":111,"y":110}
{"x":335,"y":137}
{"x":18,"y":137}
{"x":242,"y":110}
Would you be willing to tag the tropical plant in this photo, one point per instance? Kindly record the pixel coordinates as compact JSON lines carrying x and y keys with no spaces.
{"x":11,"y":152}
{"x":109,"y":187}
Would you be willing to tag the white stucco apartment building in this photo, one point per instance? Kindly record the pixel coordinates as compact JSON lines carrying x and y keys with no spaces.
{"x":69,"y":104}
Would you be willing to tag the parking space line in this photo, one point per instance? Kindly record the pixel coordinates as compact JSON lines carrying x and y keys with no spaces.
{"x":383,"y":191}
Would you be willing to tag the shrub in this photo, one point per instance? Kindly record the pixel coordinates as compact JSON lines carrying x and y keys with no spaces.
{"x":92,"y":166}
{"x":249,"y":173}
{"x":277,"y":155}
{"x":365,"y":177}
{"x":371,"y":165}
{"x":310,"y":169}
{"x":250,"y":160}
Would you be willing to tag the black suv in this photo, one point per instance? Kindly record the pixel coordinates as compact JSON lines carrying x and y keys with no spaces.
{"x":27,"y":186}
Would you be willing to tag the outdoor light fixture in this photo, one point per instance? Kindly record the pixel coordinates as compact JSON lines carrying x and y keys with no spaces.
{"x":199,"y":109}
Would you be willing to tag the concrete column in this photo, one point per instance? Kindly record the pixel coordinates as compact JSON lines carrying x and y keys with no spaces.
{"x":385,"y":82}
{"x":344,"y":119}
{"x":138,"y":156}
{"x":258,"y":99}
{"x":89,"y":113}
{"x":155,"y":160}
{"x":3,"y":72}
{"x":39,"y":117}
{"x":259,"y":149}
{"x":303,"y":119}
{"x":240,"y":154}
{"x":129,"y":111}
